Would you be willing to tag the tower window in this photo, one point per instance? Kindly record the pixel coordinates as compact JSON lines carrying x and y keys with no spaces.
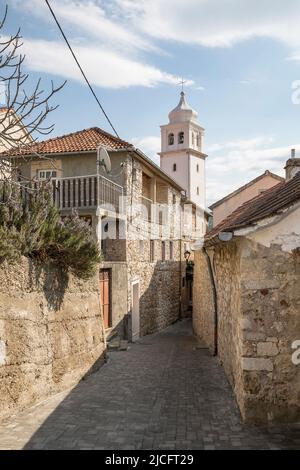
{"x":174,"y":167}
{"x":181,"y":137}
{"x":197,"y":190}
{"x":171,"y":139}
{"x":197,"y":168}
{"x":198,"y":140}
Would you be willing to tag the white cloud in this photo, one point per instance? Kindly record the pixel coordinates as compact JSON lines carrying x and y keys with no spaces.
{"x":215,"y":23}
{"x":150,"y":145}
{"x":104,"y":68}
{"x":107,"y":47}
{"x":238,"y":162}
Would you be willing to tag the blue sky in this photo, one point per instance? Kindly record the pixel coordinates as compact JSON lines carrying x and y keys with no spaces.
{"x":240,"y":59}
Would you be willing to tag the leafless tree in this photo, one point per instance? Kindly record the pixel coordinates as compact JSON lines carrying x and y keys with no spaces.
{"x":24,"y":113}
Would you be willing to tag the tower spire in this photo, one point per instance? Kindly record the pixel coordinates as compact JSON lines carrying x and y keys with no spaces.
{"x":182,"y":82}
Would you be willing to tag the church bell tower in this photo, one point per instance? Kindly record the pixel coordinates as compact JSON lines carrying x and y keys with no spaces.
{"x":181,"y":155}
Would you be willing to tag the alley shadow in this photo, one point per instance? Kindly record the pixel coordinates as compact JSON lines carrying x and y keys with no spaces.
{"x":143,"y":398}
{"x":163,"y":392}
{"x":51,"y":279}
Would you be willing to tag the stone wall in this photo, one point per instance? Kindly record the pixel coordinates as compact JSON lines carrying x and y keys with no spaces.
{"x":51,"y":333}
{"x":203,"y":301}
{"x":225,"y":264}
{"x":159,"y":285}
{"x":159,"y":280}
{"x":119,"y":311}
{"x":258,"y":300}
{"x":270,"y":298}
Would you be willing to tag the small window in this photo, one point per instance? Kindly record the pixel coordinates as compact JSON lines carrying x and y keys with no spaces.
{"x":174,"y":199}
{"x":198,"y":140}
{"x":197,"y":168}
{"x":171,"y":250}
{"x":163,"y":251}
{"x":46,"y":174}
{"x":174,"y":167}
{"x":197,"y":190}
{"x":160,"y":217}
{"x":151,"y":251}
{"x":181,"y":137}
{"x":171,"y":139}
{"x":193,"y":138}
{"x":134,"y":174}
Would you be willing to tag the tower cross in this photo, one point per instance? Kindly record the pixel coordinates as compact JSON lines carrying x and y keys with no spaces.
{"x":182,"y":82}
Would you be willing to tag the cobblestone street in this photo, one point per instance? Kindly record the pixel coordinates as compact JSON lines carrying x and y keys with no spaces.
{"x":165,"y":392}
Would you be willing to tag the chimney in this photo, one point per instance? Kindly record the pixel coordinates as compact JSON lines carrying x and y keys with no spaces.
{"x":292,"y":166}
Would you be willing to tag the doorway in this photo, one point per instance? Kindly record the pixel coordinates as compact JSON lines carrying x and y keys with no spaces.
{"x":135,"y":310}
{"x":105,"y":296}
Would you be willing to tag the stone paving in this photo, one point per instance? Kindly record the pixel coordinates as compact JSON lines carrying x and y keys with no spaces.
{"x":165,"y":392}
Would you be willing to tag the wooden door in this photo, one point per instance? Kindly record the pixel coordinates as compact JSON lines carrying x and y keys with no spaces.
{"x":105,"y":295}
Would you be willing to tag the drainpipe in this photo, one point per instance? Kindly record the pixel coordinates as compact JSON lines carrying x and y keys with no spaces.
{"x":215,"y":300}
{"x":180,"y":255}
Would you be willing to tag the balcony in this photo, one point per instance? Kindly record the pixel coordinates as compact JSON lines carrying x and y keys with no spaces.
{"x":154,"y":212}
{"x":86,"y":192}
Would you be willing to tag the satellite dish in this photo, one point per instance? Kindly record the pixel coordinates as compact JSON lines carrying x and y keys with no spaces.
{"x":103,"y":159}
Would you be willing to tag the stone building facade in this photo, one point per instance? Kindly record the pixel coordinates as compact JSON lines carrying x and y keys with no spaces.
{"x":51,"y":333}
{"x":247,"y":302}
{"x":136,"y":212}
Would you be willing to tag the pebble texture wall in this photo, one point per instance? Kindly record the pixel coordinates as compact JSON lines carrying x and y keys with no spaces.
{"x":51,"y":333}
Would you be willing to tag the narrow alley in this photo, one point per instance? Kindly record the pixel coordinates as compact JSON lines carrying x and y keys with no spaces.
{"x":164,"y":392}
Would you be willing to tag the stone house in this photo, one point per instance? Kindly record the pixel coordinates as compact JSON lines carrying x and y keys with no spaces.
{"x":136,"y":213}
{"x":225,"y":206}
{"x":247,"y":300}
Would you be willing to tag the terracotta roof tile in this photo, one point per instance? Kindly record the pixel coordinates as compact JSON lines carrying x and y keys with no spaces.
{"x":267,"y":204}
{"x":81,"y":141}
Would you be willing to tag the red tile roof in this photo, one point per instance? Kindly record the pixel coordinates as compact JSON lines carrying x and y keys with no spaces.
{"x":267,"y":204}
{"x":81,"y":141}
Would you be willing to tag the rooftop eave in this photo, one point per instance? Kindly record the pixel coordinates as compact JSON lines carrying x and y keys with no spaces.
{"x":188,"y":150}
{"x":199,"y":127}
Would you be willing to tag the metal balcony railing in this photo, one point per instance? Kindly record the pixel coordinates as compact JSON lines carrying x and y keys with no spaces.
{"x":86,"y":192}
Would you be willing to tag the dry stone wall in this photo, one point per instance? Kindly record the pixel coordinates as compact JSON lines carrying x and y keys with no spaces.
{"x":270,"y":324}
{"x":258,"y":300}
{"x":51,"y":333}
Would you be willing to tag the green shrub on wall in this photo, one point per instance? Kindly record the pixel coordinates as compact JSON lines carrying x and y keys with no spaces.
{"x":31,"y":225}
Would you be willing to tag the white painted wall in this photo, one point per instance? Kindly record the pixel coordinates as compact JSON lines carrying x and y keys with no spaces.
{"x":181,"y":173}
{"x":283,"y":230}
{"x":197,"y":180}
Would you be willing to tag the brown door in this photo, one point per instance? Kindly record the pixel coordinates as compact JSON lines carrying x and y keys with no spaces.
{"x":105,"y":296}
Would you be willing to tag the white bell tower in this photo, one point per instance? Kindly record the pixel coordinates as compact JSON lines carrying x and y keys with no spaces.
{"x":181,"y":154}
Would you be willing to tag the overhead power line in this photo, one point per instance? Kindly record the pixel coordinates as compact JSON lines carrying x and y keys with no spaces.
{"x":80,"y":67}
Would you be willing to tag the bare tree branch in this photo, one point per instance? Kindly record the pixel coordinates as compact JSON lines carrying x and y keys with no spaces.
{"x":25,"y":109}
